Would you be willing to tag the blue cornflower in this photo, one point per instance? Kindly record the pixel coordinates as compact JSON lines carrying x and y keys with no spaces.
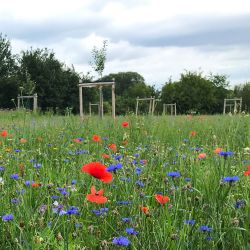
{"x":187,"y":179}
{"x":8,"y":217}
{"x":136,"y":155}
{"x":125,"y":179}
{"x":54,"y":197}
{"x":126,"y":219}
{"x":118,"y":157}
{"x":226,"y":154}
{"x":17,"y":150}
{"x":231,"y":179}
{"x":239,"y":203}
{"x":58,"y":209}
{"x":73,"y":210}
{"x":189,"y":222}
{"x":174,"y":174}
{"x":138,"y":170}
{"x":205,"y":228}
{"x":14,"y":201}
{"x":73,"y":182}
{"x":131,"y":230}
{"x":139,"y":183}
{"x":2,"y":168}
{"x":121,"y":241}
{"x":14,"y":176}
{"x":32,"y":160}
{"x":42,"y":209}
{"x":37,"y":165}
{"x":114,"y":167}
{"x":133,"y":161}
{"x":123,"y":202}
{"x":100,"y":211}
{"x":28,"y":183}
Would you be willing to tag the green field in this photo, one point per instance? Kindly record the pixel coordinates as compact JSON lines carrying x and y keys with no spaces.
{"x":43,"y":192}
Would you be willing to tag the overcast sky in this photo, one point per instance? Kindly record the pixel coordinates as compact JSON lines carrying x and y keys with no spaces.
{"x":158,"y":39}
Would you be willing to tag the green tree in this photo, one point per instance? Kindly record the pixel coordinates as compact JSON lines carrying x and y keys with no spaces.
{"x":8,"y":77}
{"x":56,"y":84}
{"x":243,"y":90}
{"x":128,"y":86}
{"x":99,"y":59}
{"x":194,"y":92}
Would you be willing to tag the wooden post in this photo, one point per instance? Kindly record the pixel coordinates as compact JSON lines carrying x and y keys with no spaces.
{"x":113,"y":100}
{"x":80,"y":102}
{"x":18,"y":102}
{"x":35,"y":102}
{"x":101,"y":101}
{"x":164,"y":109}
{"x":137,"y":104}
{"x":240,"y":104}
{"x":153,"y":106}
{"x":224,"y":107}
{"x":175,"y":109}
{"x":89,"y":108}
{"x":150,"y":105}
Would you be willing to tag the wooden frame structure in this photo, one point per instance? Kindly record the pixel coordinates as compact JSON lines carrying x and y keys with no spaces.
{"x":94,"y":104}
{"x":151,"y":108}
{"x":99,"y":85}
{"x":237,"y":105}
{"x":172,"y":108}
{"x":34,"y":97}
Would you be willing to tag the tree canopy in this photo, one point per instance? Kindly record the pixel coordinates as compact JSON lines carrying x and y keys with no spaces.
{"x":39,"y":71}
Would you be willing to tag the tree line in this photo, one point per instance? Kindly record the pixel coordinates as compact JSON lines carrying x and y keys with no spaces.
{"x":39,"y":71}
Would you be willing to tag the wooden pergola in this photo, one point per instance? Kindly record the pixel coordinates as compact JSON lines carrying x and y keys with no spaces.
{"x":98,"y":85}
{"x":151,"y":104}
{"x":172,"y":108}
{"x":235,"y":103}
{"x":93,"y":104}
{"x":34,"y":97}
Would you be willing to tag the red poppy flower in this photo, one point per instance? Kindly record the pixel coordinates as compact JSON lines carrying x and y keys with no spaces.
{"x":125,"y":124}
{"x":113,"y":147}
{"x":105,"y":156}
{"x":202,"y":156}
{"x":36,"y":184}
{"x":77,"y":140}
{"x":96,"y":138}
{"x":96,"y":196}
{"x":97,"y":170}
{"x":4,"y":133}
{"x":217,"y":150}
{"x":247,"y":172}
{"x":193,"y":133}
{"x":145,"y":210}
{"x":162,"y":199}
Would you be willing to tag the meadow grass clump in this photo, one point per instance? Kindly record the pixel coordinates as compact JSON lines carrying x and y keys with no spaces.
{"x":150,"y":183}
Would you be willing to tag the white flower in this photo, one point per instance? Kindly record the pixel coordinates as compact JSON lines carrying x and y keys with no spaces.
{"x":1,"y":181}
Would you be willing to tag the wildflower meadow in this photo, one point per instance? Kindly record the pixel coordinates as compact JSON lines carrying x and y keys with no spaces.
{"x":146,"y":182}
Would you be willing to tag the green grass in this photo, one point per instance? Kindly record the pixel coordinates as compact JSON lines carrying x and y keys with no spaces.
{"x":165,"y":143}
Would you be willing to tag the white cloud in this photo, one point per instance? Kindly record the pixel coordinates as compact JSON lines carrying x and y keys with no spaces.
{"x":156,"y":38}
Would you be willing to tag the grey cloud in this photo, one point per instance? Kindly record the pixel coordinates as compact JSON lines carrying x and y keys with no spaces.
{"x":192,"y":31}
{"x":53,"y":30}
